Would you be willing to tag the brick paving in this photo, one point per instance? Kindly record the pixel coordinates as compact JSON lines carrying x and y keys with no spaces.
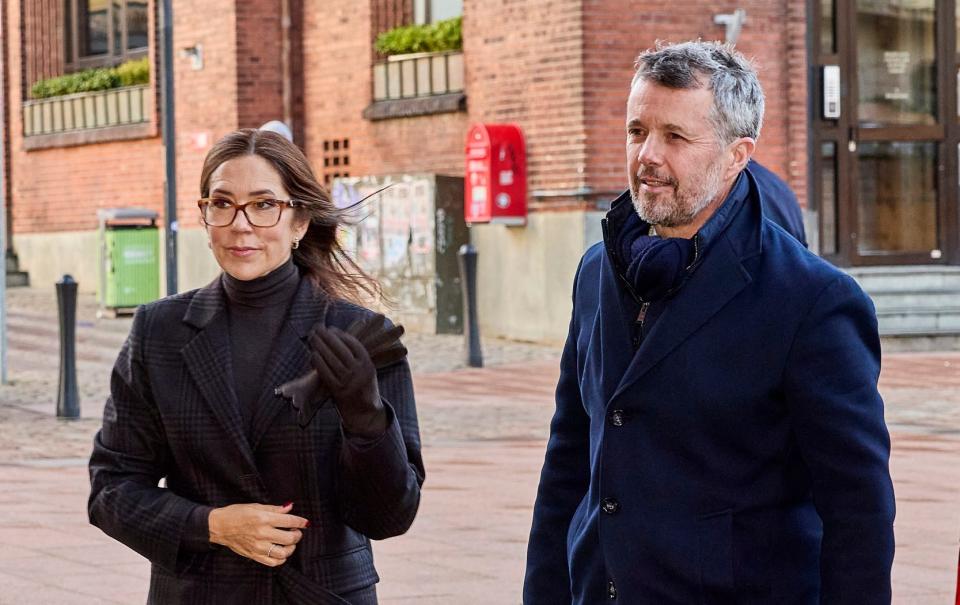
{"x":484,"y":432}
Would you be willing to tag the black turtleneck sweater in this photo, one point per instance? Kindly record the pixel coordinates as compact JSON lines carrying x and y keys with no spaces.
{"x":256,"y":310}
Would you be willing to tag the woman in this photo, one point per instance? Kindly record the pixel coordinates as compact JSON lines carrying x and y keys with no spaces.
{"x":262,"y":504}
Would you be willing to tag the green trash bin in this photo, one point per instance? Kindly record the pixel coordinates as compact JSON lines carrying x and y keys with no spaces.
{"x":129,"y":258}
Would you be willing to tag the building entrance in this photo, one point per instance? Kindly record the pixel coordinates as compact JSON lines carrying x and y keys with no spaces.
{"x":886,"y":122}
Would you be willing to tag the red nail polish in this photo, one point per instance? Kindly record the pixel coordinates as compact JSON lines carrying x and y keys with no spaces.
{"x":307,"y":524}
{"x":287,"y":504}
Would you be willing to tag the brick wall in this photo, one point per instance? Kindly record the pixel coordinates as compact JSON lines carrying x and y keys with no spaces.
{"x":60,"y":189}
{"x":559,"y":69}
{"x":43,"y":33}
{"x":338,"y":57}
{"x":387,"y":14}
{"x":773,"y":35}
{"x":240,"y":85}
{"x":524,"y":65}
{"x":260,"y":69}
{"x":207,"y":100}
{"x":336,"y":78}
{"x":526,"y":73}
{"x":797,"y":169}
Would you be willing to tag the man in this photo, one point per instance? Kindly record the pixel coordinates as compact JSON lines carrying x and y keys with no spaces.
{"x":718,"y":436}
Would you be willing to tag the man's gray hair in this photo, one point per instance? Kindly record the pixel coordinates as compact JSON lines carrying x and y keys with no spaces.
{"x":737,"y":96}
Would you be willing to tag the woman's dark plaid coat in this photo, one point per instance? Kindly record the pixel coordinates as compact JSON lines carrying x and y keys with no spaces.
{"x":173,"y":414}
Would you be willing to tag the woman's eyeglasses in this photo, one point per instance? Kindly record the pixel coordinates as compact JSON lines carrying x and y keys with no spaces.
{"x":219,"y":212}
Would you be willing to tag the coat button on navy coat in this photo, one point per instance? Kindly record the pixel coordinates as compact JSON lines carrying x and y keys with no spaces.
{"x":610,"y":506}
{"x":617,"y":417}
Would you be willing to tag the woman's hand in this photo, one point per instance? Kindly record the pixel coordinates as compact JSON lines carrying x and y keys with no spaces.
{"x":345,"y":368}
{"x":267,"y":534}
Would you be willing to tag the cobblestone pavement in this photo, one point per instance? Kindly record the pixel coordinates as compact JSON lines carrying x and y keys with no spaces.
{"x":28,"y":429}
{"x":484,"y":432}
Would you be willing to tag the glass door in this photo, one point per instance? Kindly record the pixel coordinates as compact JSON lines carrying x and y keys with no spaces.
{"x":883,"y":182}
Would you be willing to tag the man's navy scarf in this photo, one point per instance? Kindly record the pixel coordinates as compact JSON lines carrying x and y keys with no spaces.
{"x":656,"y":267}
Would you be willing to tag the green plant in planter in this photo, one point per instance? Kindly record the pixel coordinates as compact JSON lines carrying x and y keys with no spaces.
{"x":132,"y":73}
{"x":436,"y":37}
{"x":129,"y":73}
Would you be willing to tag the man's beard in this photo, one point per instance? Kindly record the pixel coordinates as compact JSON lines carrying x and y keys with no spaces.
{"x":685,"y":203}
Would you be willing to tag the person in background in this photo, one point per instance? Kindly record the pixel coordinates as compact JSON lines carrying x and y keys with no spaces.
{"x":779,"y":202}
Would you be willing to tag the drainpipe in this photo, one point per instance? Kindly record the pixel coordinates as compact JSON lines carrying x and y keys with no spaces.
{"x":285,"y":64}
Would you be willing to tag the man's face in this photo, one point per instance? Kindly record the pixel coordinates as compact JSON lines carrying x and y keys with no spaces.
{"x":677,"y":166}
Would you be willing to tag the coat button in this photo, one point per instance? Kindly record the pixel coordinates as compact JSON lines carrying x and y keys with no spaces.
{"x":611,"y":590}
{"x":610,"y":506}
{"x":617,"y":417}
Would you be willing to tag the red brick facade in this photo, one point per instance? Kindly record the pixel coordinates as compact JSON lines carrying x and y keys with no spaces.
{"x":615,"y":31}
{"x":60,"y":188}
{"x":560,"y":69}
{"x":337,"y":86}
{"x":530,"y":72}
{"x":207,"y":99}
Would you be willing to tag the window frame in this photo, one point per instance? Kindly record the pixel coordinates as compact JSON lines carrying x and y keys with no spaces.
{"x":72,"y":59}
{"x":423,"y":6}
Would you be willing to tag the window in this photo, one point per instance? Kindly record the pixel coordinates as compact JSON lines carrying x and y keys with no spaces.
{"x":431,"y":11}
{"x":104,"y":32}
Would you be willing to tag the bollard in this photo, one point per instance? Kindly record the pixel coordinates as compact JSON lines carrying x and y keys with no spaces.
{"x":467,"y":257}
{"x":68,"y":398}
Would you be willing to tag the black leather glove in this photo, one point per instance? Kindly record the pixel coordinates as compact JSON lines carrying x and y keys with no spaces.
{"x":308,"y":393}
{"x":346,"y":370}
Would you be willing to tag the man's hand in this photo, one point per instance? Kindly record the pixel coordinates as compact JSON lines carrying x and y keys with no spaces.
{"x":267,"y":534}
{"x":345,"y":368}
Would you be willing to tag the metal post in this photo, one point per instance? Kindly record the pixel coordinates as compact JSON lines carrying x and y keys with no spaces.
{"x":68,"y":397}
{"x":3,"y":276}
{"x":5,"y":243}
{"x":467,"y":257}
{"x":169,"y":147}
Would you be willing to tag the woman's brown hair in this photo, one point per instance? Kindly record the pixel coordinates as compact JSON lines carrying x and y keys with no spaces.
{"x":320,"y":256}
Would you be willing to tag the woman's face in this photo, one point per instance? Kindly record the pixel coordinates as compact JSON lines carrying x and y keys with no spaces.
{"x":242,"y":250}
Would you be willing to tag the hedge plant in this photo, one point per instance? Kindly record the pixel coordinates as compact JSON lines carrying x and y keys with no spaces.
{"x":435,"y":37}
{"x":130,"y":73}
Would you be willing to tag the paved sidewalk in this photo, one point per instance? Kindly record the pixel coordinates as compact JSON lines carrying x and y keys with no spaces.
{"x":484,"y":433}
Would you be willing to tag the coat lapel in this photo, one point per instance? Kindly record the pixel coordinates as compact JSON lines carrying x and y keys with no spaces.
{"x":720,"y":278}
{"x":610,"y":340}
{"x":208,"y":360}
{"x":290,"y":357}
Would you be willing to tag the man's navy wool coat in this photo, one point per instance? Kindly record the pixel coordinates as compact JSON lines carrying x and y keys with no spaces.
{"x":738,"y":455}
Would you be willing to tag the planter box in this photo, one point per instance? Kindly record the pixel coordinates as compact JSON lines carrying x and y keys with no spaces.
{"x":418,"y":75}
{"x":87,"y":110}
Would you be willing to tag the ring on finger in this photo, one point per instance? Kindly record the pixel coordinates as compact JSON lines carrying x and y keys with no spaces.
{"x":270,"y":550}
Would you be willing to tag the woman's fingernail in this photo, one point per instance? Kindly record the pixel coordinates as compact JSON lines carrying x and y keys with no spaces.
{"x":288,"y":504}
{"x":307,"y":524}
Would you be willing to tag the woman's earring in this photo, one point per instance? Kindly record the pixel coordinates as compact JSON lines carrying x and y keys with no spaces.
{"x":296,"y":243}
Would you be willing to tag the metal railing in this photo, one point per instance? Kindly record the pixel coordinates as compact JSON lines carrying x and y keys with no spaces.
{"x":418,"y":75}
{"x":86,"y":110}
